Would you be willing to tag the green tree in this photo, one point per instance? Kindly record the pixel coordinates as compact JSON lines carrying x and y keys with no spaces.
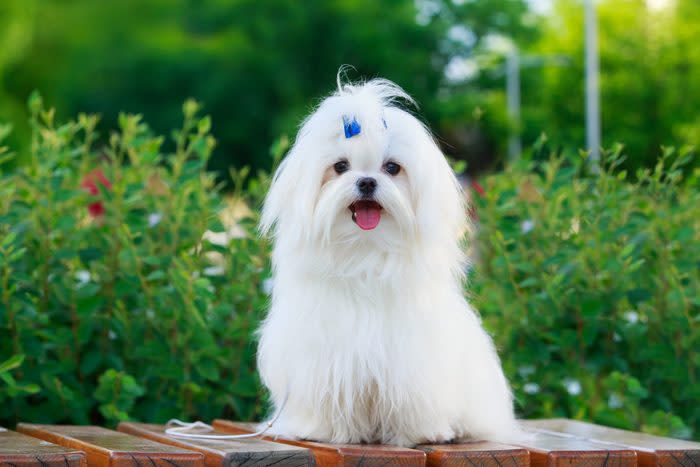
{"x":257,"y":66}
{"x":15,"y":36}
{"x":472,"y":116}
{"x":647,"y":65}
{"x":680,"y":70}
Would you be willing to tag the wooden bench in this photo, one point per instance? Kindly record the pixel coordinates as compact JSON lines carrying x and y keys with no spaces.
{"x":555,"y":442}
{"x":251,"y":451}
{"x":105,"y":448}
{"x":327,"y":454}
{"x":454,"y":454}
{"x":650,"y":450}
{"x":17,"y":449}
{"x":551,"y":450}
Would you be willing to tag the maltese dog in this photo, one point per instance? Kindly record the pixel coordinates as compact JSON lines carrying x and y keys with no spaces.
{"x":369,"y":337}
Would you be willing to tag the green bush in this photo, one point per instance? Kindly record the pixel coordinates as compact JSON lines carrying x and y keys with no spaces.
{"x":116,"y":303}
{"x":590,"y":283}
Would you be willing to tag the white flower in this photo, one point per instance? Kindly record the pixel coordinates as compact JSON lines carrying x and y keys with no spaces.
{"x":214,"y":271}
{"x":632,"y":316}
{"x":531,"y":388}
{"x":526,"y":370}
{"x":112,"y":335}
{"x":614,"y":401}
{"x":154,"y":219}
{"x":83,"y":277}
{"x":616,"y":337}
{"x":266,"y":286}
{"x":224,"y":238}
{"x":216,"y":238}
{"x":527,"y":225}
{"x":572,"y":386}
{"x":237,"y":232}
{"x":575,"y":225}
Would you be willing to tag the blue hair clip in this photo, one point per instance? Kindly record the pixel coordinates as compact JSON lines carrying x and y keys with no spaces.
{"x":352,"y":127}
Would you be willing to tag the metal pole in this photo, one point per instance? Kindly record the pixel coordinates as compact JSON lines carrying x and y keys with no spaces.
{"x":592,"y":85}
{"x":513,"y":98}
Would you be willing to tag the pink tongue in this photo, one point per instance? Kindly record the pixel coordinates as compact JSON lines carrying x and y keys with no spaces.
{"x":367,"y":215}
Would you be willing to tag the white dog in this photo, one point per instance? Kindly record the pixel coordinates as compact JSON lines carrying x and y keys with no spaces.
{"x":369,"y":337}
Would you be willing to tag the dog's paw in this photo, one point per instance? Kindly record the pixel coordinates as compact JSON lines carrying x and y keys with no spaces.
{"x":442,"y":437}
{"x":400,"y":440}
{"x":412,"y":439}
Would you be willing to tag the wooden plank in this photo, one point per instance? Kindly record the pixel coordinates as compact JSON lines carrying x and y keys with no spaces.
{"x":355,"y":455}
{"x":248,"y":452}
{"x":17,"y":449}
{"x":555,"y":449}
{"x":475,"y":453}
{"x":651,"y":450}
{"x":105,"y":447}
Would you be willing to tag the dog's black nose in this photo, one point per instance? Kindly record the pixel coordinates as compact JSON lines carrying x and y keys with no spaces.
{"x":367,"y":185}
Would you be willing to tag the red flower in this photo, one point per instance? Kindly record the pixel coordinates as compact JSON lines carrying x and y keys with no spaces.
{"x":478,"y":188}
{"x":89,"y":183}
{"x":96,"y":209}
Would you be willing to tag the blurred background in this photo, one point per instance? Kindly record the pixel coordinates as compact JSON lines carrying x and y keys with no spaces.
{"x":259,"y":67}
{"x":131,"y":275}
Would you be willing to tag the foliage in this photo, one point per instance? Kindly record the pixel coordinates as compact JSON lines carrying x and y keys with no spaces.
{"x":590,"y":283}
{"x":117,"y":391}
{"x":123,"y":292}
{"x":648,"y":67}
{"x":257,"y":65}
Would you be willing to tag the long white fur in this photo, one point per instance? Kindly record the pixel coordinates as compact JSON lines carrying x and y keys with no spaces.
{"x":369,"y":333}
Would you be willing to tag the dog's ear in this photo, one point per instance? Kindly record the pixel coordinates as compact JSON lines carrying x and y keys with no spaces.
{"x":280,"y":190}
{"x":290,"y":200}
{"x":441,"y":210}
{"x":440,"y":201}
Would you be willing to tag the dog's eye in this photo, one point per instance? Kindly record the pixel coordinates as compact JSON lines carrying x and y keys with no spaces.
{"x":341,"y":167}
{"x":392,"y":168}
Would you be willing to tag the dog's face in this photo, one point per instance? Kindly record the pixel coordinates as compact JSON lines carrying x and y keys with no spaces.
{"x":366,"y":181}
{"x":366,"y":184}
{"x":363,"y":173}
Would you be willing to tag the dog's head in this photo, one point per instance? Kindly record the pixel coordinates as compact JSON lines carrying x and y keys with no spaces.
{"x":364,"y":173}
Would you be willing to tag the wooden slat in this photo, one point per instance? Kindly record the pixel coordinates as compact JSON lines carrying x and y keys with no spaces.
{"x":326,"y":454}
{"x":651,"y":450}
{"x":475,"y":453}
{"x":554,"y":449}
{"x":217,"y":453}
{"x":105,"y":447}
{"x":17,"y":449}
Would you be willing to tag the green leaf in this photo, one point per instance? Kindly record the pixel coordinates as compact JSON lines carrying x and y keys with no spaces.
{"x":11,"y":363}
{"x":35,"y":102}
{"x":207,"y":368}
{"x":203,"y":126}
{"x":90,"y":254}
{"x":9,"y":239}
{"x":5,"y":130}
{"x":156,"y":275}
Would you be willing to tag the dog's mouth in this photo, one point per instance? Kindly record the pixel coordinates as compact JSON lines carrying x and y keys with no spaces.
{"x":366,"y":213}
